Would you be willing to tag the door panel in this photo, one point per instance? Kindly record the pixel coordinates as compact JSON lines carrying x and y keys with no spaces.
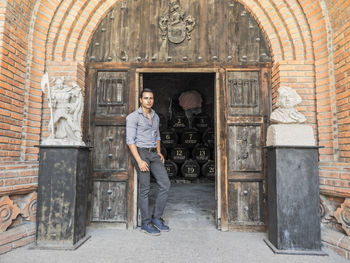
{"x":109,"y":148}
{"x":111,"y":93}
{"x":246,"y":121}
{"x":245,"y":202}
{"x":244,"y":148}
{"x":109,"y":201}
{"x":109,"y":102}
{"x":244,"y":93}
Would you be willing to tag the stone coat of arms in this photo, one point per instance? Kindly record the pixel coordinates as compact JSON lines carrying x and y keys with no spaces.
{"x":175,"y":25}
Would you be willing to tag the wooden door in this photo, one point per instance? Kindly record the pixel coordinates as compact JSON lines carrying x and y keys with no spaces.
{"x":112,"y":179}
{"x":246,"y":112}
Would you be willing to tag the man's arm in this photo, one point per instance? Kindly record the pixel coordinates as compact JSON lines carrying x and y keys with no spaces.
{"x":159,"y":151}
{"x":141,"y":163}
{"x":131,"y":130}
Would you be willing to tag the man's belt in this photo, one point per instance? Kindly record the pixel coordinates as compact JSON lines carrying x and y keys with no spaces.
{"x":149,"y":149}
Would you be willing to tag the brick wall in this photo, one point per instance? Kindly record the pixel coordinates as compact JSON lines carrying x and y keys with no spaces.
{"x":13,"y":27}
{"x":339,"y":12}
{"x":335,"y":176}
{"x":19,"y":128}
{"x":18,"y":176}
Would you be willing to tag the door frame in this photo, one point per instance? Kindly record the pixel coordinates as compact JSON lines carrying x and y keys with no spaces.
{"x":218,"y":88}
{"x":220,"y":118}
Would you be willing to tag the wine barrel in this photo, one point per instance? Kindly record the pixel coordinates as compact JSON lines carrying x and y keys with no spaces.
{"x":190,"y":169}
{"x":179,"y":122}
{"x":201,"y":122}
{"x":190,"y":137}
{"x":208,"y":169}
{"x":201,"y":153}
{"x":168,"y":138}
{"x":179,"y":154}
{"x":171,"y":168}
{"x":208,"y":137}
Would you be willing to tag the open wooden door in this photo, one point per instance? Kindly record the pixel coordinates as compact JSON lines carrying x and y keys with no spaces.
{"x":243,"y":184}
{"x":112,"y":181}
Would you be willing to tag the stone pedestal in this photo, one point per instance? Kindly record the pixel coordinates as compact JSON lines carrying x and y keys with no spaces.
{"x":293,"y":200}
{"x":62,"y":197}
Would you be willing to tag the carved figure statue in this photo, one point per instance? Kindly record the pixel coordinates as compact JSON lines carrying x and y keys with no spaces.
{"x":287,"y":99}
{"x":66,"y":106}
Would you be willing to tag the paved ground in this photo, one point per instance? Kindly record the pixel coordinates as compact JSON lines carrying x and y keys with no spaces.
{"x":179,"y":245}
{"x":193,"y":238}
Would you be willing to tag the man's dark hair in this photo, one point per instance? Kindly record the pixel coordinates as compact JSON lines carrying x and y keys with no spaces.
{"x":145,"y":90}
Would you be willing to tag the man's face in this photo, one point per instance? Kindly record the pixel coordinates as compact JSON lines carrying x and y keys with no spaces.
{"x":147,"y":100}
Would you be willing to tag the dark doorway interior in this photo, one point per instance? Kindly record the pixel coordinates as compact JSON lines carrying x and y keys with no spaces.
{"x":185,"y":104}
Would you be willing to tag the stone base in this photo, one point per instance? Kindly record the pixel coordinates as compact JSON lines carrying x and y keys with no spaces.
{"x":294,"y":252}
{"x":293,"y":198}
{"x":60,"y":246}
{"x":62,"y":196}
{"x":290,"y":135}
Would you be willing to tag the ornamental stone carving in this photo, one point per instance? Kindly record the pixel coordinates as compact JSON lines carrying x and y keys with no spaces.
{"x":326,"y":210}
{"x":342,"y":214}
{"x":287,"y":99}
{"x":66,"y":107}
{"x":175,"y":25}
{"x":8,"y":212}
{"x":28,"y":207}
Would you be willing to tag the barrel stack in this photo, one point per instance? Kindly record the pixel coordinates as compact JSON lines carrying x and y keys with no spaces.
{"x":189,"y":151}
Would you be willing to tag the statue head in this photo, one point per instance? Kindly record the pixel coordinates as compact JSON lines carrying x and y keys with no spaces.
{"x":59,"y":83}
{"x":287,"y":98}
{"x":285,"y":113}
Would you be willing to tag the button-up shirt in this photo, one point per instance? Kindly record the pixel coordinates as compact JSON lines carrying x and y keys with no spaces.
{"x":141,"y":131}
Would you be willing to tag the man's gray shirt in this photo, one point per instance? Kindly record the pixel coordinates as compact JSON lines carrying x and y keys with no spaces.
{"x":140,"y":130}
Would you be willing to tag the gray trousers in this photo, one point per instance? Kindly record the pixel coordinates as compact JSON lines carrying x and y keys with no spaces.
{"x":158,"y":170}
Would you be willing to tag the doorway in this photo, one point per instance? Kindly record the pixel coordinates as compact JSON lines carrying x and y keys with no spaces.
{"x":186,"y":106}
{"x":234,"y":102}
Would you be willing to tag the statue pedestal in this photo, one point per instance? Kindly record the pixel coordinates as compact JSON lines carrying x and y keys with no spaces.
{"x":293,"y":200}
{"x":62,"y":197}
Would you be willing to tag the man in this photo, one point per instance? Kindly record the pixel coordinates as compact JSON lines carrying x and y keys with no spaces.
{"x":143,"y":139}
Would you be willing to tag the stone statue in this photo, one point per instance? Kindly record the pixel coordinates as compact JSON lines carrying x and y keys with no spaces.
{"x":66,"y":107}
{"x":287,"y":99}
{"x":288,"y":128}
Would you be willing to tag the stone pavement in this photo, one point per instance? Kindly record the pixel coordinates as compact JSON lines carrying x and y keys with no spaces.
{"x":193,"y":238}
{"x":178,"y":245}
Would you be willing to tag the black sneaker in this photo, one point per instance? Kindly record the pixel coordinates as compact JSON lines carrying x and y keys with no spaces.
{"x":150,"y":229}
{"x":159,"y":224}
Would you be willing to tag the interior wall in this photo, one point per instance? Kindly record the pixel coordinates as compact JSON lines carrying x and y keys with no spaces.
{"x":168,"y":86}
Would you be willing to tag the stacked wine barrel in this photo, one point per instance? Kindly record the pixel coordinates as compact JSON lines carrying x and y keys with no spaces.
{"x":189,"y":152}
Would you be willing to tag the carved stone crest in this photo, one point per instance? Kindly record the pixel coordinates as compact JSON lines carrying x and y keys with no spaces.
{"x":175,"y":25}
